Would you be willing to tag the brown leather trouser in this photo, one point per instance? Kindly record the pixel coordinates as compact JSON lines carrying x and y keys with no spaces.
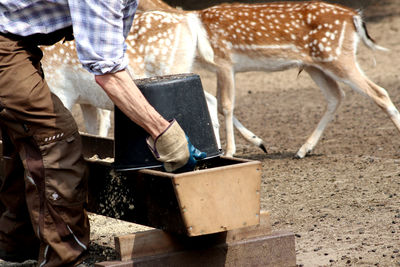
{"x":43,"y":187}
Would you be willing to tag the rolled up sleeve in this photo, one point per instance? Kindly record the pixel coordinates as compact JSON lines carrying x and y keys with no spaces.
{"x":100,"y":29}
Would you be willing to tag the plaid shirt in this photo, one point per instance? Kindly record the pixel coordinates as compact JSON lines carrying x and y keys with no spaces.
{"x":100,"y":26}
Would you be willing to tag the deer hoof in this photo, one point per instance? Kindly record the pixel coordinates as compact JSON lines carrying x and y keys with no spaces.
{"x":263,"y":148}
{"x":300,"y":154}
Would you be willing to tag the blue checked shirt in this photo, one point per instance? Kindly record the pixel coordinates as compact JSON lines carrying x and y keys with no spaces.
{"x":100,"y":26}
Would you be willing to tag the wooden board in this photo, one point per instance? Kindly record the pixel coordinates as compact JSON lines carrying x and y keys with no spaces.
{"x":156,"y":241}
{"x":249,"y":246}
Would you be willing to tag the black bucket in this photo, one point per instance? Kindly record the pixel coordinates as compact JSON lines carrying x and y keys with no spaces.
{"x":179,"y":97}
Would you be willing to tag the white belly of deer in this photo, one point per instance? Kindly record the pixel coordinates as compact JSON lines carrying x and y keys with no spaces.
{"x":244,"y":62}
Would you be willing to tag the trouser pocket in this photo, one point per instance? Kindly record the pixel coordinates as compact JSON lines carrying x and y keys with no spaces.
{"x":65,"y":171}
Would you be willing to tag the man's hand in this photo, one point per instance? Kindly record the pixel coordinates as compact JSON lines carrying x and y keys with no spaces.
{"x":173,"y":148}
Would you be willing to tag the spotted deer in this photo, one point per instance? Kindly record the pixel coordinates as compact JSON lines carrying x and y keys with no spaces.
{"x":316,"y":37}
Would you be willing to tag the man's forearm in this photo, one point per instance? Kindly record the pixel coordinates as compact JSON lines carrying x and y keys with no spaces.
{"x":126,"y":95}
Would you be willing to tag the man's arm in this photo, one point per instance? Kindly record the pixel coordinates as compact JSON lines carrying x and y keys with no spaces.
{"x":126,"y":95}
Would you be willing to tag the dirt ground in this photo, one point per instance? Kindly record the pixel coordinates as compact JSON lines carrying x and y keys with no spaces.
{"x":342,"y":201}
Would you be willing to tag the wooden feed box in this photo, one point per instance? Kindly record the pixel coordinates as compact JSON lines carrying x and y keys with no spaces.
{"x":224,"y":195}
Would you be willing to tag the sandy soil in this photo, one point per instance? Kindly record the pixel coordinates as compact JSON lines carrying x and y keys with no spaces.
{"x":342,"y":201}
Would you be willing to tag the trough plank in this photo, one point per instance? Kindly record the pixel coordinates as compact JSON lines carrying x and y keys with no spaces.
{"x":156,"y":241}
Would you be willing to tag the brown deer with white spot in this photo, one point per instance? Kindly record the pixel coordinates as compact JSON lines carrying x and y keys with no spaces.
{"x":316,"y":37}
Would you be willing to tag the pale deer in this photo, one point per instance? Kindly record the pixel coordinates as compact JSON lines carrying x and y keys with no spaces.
{"x":317,"y":37}
{"x":72,"y":84}
{"x":160,"y":43}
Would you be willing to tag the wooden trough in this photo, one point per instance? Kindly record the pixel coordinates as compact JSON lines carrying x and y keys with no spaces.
{"x":223,"y":194}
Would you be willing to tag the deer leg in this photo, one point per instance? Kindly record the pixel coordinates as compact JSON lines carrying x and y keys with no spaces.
{"x":359,"y":82}
{"x":248,"y":135}
{"x":381,"y":97}
{"x":226,"y":101}
{"x":213,"y":110}
{"x":104,"y":117}
{"x":333,"y":94}
{"x":89,"y":114}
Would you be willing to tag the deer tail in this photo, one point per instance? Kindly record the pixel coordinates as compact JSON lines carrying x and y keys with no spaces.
{"x":361,"y":29}
{"x":205,"y":50}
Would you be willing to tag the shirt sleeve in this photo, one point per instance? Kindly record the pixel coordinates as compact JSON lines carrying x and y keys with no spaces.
{"x":100,"y":29}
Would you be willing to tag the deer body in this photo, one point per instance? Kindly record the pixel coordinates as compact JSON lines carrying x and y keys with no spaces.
{"x":317,"y":37}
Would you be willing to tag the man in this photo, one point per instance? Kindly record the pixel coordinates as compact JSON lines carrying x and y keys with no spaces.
{"x":43,"y":188}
